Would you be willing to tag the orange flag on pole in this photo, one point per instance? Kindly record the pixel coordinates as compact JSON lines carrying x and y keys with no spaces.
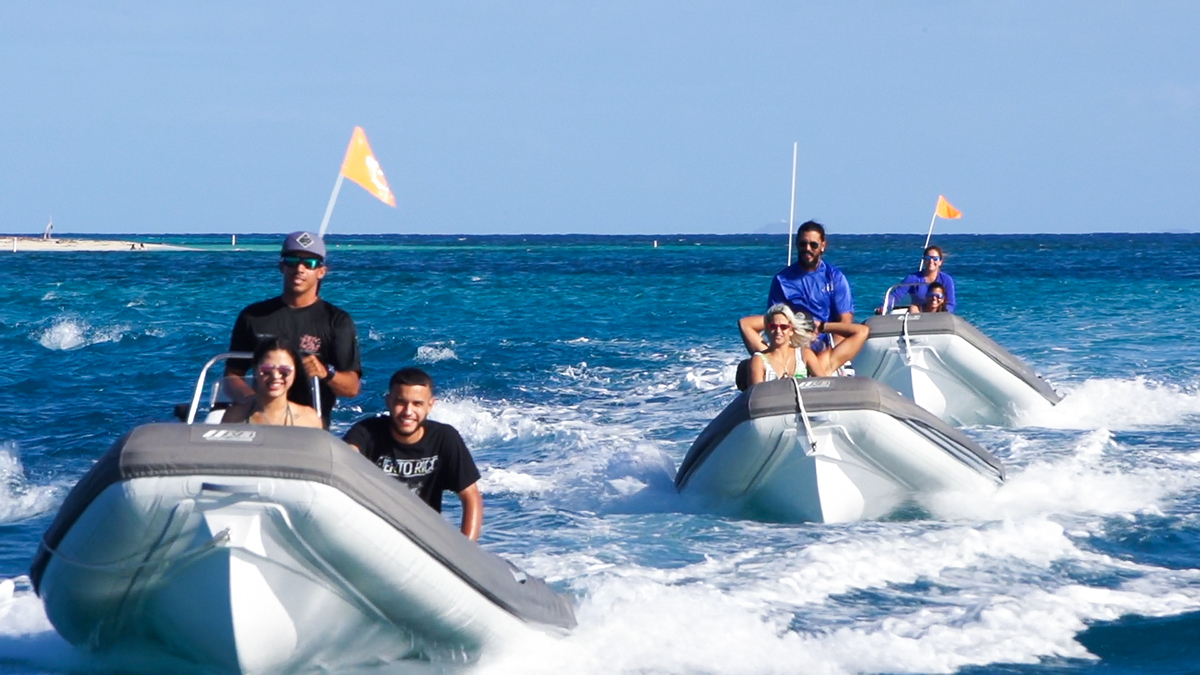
{"x":944,"y":209}
{"x":361,"y":167}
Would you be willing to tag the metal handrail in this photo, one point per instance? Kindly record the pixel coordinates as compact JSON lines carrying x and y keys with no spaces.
{"x":887,"y":295}
{"x":315,"y":384}
{"x":191,"y":418}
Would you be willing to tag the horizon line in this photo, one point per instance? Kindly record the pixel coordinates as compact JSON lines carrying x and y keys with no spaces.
{"x":85,"y":235}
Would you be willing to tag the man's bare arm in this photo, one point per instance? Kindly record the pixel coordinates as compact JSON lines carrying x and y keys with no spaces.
{"x":472,"y":511}
{"x":844,"y":317}
{"x":344,"y":383}
{"x":234,"y":385}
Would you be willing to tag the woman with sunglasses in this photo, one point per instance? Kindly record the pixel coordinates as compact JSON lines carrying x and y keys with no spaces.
{"x":934,"y":302}
{"x":918,"y":284}
{"x":274,"y":372}
{"x":788,"y":353}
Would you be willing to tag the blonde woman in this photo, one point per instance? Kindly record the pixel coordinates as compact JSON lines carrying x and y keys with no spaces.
{"x":788,"y":353}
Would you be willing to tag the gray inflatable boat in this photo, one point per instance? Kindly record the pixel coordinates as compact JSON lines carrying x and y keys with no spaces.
{"x":831,"y":449}
{"x":950,"y":368}
{"x":239,"y":548}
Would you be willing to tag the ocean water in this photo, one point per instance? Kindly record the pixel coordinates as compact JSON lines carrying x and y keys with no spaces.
{"x":579,"y":369}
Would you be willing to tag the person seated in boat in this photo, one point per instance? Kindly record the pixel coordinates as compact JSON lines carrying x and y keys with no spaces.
{"x":790,"y":355}
{"x":811,"y":286}
{"x":934,"y":302}
{"x":918,"y":284}
{"x":274,"y":368}
{"x":427,"y":456}
{"x":322,"y":333}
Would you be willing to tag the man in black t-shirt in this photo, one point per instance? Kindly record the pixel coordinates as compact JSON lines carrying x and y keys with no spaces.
{"x":321,"y":332}
{"x":429,"y":457}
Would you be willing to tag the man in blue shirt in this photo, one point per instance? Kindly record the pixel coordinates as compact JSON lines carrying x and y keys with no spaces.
{"x":810,"y":286}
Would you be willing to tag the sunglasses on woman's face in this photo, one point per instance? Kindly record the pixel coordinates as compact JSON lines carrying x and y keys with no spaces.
{"x":779,"y":326}
{"x":283,"y":371}
{"x":938,"y":296}
{"x":933,"y":258}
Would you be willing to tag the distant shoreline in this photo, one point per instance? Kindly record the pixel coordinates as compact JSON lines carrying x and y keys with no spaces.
{"x":17,"y":244}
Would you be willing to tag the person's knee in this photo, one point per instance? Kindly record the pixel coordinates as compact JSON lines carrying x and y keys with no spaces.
{"x":742,"y":378}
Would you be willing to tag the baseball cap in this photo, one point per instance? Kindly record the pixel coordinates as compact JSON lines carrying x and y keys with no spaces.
{"x":304,"y":242}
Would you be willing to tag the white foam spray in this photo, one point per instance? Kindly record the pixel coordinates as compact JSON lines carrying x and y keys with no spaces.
{"x":1120,"y":404}
{"x":18,"y":499}
{"x":435,"y":353}
{"x":73,"y":333}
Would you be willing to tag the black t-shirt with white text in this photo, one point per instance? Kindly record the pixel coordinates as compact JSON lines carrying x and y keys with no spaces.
{"x":321,"y":328}
{"x":439,"y":461}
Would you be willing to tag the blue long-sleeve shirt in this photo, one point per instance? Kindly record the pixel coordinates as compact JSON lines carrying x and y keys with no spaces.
{"x":919,"y":290}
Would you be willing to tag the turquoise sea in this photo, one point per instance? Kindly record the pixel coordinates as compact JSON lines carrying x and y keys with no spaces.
{"x":580,"y":368}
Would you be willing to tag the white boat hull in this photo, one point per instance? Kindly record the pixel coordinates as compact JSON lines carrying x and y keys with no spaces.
{"x":950,"y":369}
{"x":255,"y":574}
{"x":860,"y":462}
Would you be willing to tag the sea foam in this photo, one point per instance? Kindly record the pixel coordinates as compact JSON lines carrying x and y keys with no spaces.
{"x":18,"y":499}
{"x":580,"y":462}
{"x":1119,"y":404}
{"x":72,"y":333}
{"x":1091,"y":480}
{"x":434,"y":353}
{"x":26,"y":635}
{"x":738,"y":613}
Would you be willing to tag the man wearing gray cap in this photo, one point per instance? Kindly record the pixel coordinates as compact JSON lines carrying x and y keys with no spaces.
{"x":322,"y":333}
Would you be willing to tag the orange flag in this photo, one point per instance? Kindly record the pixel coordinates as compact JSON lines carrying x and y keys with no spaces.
{"x":361,"y":167}
{"x":944,"y":209}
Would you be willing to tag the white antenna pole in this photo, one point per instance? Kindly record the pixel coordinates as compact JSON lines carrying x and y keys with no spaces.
{"x":792,"y":217}
{"x":927,"y":238}
{"x":329,"y":209}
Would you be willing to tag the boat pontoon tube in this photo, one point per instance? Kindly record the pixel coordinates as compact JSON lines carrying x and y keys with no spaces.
{"x":871,"y":451}
{"x":952,"y":369}
{"x":247,"y":548}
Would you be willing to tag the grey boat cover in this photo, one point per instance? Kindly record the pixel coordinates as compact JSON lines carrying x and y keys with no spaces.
{"x":828,"y":394}
{"x":298,"y":453}
{"x":945,"y":323}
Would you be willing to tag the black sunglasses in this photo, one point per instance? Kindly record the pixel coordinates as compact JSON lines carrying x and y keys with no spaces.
{"x":814,"y":245}
{"x":297,"y":261}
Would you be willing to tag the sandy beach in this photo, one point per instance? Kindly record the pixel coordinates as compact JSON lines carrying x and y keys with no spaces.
{"x":19,"y":243}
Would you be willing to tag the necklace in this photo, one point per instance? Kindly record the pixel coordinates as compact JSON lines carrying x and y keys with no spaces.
{"x":287,"y":417}
{"x":791,"y":360}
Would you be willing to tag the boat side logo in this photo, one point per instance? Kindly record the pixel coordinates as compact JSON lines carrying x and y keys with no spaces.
{"x":814,"y":384}
{"x":230,"y":435}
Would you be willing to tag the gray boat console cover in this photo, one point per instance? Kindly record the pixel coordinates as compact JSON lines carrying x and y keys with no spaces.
{"x":945,"y":323}
{"x":827,"y":394}
{"x":299,"y":453}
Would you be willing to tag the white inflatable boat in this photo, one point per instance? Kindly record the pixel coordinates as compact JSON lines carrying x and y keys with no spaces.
{"x":829,"y":450}
{"x":952,"y":369}
{"x":244,"y":548}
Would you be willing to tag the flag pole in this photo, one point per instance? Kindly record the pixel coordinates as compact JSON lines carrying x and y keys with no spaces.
{"x":792,"y":217}
{"x":927,"y":238}
{"x":329,"y":209}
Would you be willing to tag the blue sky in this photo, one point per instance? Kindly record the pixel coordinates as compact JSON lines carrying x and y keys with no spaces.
{"x":616,"y":117}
